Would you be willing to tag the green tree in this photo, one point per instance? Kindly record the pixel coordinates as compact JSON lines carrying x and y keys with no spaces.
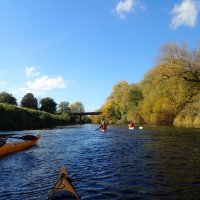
{"x":7,"y":98}
{"x":48,"y":105}
{"x":63,"y":107}
{"x":77,"y":107}
{"x":29,"y":101}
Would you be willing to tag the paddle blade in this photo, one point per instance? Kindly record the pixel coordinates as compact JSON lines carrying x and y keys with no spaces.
{"x":25,"y":137}
{"x":28,"y":137}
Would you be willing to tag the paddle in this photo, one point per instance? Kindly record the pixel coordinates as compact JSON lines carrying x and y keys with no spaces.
{"x":97,"y":128}
{"x":25,"y":137}
{"x":3,"y":139}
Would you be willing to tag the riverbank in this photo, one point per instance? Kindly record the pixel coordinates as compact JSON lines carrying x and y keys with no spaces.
{"x":17,"y":118}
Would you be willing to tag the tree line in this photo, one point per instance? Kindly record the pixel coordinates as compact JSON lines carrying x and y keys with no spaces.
{"x":31,"y":114}
{"x":169,"y":93}
{"x":46,"y":104}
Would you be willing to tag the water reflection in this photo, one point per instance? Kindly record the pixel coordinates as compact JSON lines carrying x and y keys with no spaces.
{"x":152,"y":163}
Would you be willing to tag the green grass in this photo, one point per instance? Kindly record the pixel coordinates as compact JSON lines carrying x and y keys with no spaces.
{"x":17,"y":118}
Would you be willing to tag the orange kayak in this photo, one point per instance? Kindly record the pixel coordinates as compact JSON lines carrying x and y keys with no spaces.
{"x":10,"y":147}
{"x":63,"y":188}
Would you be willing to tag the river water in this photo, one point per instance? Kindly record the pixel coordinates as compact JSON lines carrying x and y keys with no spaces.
{"x":152,"y":163}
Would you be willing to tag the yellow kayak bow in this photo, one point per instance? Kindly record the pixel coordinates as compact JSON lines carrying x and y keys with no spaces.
{"x":63,"y":188}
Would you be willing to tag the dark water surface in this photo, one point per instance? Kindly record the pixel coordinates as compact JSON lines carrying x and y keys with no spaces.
{"x":153,"y":163}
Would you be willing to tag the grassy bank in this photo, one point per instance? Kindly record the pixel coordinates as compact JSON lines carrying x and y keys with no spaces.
{"x":16,"y":118}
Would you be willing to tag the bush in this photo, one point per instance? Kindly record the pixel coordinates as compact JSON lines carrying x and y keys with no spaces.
{"x":15,"y":118}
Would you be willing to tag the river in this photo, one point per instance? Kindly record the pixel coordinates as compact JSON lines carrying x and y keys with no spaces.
{"x":152,"y":163}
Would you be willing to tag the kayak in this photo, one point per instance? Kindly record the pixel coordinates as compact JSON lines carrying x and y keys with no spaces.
{"x":103,"y":130}
{"x":63,"y":188}
{"x":10,"y":147}
{"x":131,"y":128}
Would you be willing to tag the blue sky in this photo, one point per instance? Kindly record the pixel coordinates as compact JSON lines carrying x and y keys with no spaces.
{"x":78,"y":50}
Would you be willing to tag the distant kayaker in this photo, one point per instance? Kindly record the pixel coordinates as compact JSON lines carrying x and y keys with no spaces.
{"x":131,"y":124}
{"x":103,"y":126}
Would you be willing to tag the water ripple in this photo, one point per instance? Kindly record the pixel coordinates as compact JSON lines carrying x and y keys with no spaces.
{"x":152,"y":163}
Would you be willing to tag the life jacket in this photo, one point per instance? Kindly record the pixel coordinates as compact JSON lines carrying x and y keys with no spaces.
{"x":104,"y":126}
{"x":131,"y":124}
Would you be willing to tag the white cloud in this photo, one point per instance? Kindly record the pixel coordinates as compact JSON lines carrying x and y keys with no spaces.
{"x":31,"y":71}
{"x":124,"y":7}
{"x":185,"y":14}
{"x":46,"y":83}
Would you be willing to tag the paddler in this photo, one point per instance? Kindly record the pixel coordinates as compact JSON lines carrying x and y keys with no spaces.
{"x":103,"y":126}
{"x":131,"y":124}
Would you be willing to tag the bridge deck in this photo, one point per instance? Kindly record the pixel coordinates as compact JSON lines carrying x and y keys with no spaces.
{"x":87,"y":113}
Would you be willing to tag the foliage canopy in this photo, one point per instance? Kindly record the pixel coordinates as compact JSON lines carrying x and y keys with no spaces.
{"x":7,"y":98}
{"x":29,"y":101}
{"x":168,"y":94}
{"x":48,"y":105}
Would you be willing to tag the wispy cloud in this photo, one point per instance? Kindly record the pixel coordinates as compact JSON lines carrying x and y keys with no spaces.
{"x":32,"y":71}
{"x":185,"y":13}
{"x":45,"y":83}
{"x":124,"y":7}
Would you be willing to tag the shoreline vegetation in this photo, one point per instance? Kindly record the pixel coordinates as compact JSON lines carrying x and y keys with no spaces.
{"x":17,"y":118}
{"x":29,"y":116}
{"x":169,"y":94}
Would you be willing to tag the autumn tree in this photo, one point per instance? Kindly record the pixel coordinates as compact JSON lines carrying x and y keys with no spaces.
{"x":180,"y":62}
{"x":122,"y":104}
{"x":134,"y":98}
{"x":29,"y":101}
{"x":111,"y":111}
{"x":118,"y":96}
{"x":184,"y":65}
{"x":168,"y":94}
{"x":7,"y":98}
{"x":77,"y":107}
{"x":170,"y":85}
{"x":63,"y":107}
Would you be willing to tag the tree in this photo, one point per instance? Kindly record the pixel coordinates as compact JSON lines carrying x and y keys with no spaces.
{"x":77,"y":107}
{"x":29,"y":101}
{"x":48,"y":105}
{"x":182,"y":63}
{"x":111,"y":111}
{"x":63,"y":107}
{"x":118,"y":97}
{"x":122,"y":104}
{"x":7,"y":98}
{"x":133,"y":98}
